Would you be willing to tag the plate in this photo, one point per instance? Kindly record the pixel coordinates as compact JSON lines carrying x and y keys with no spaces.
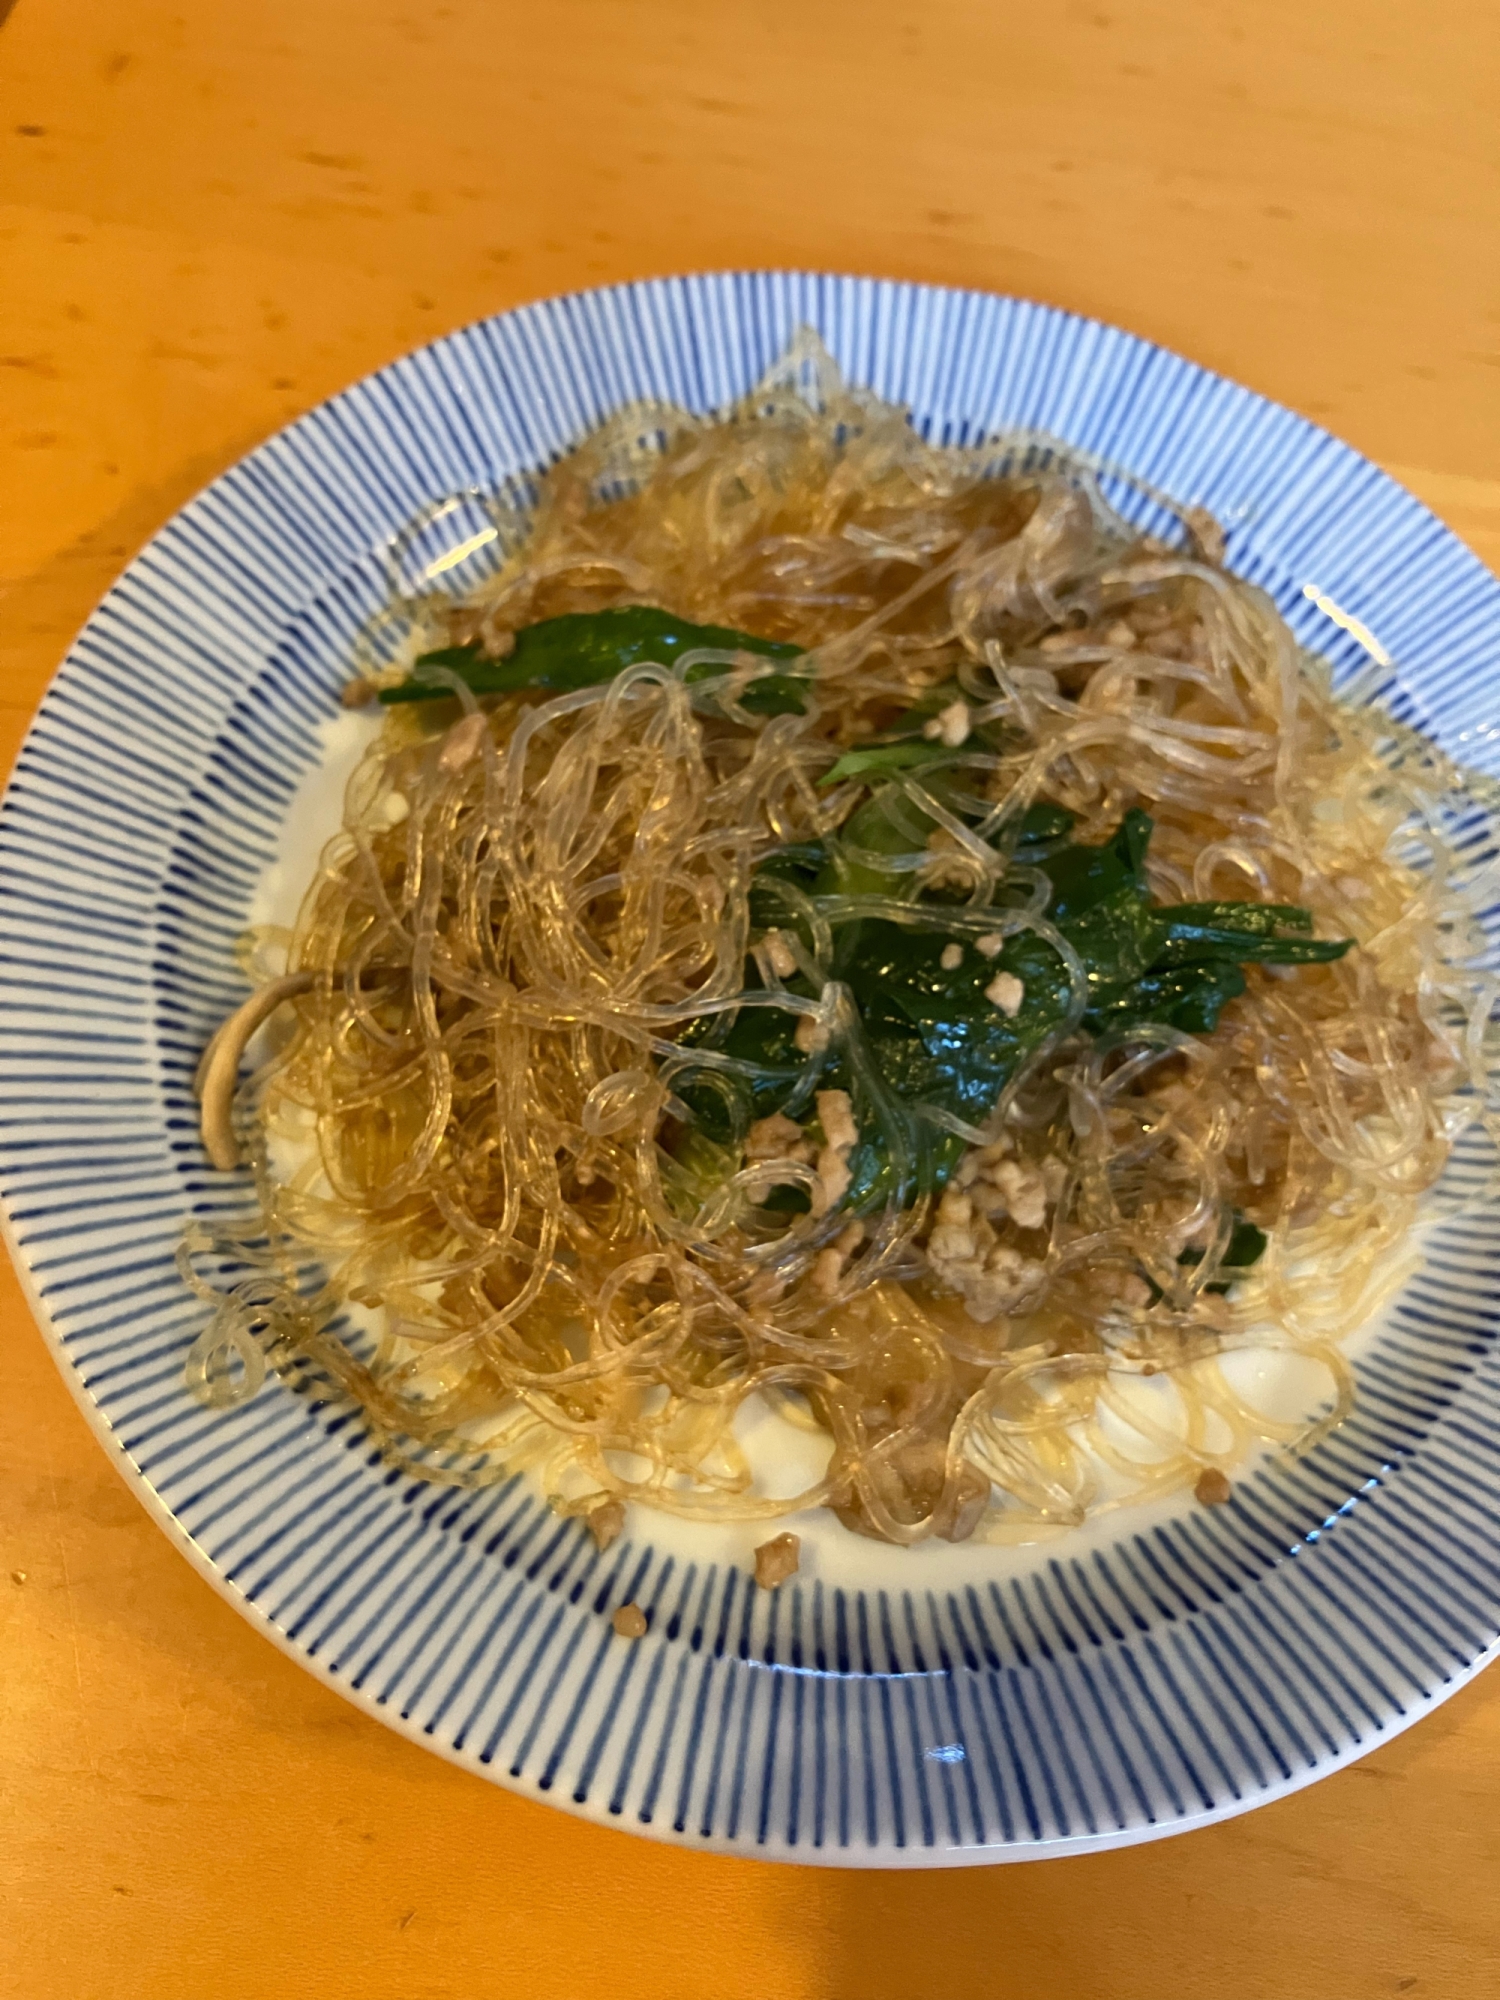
{"x":888,"y":1708}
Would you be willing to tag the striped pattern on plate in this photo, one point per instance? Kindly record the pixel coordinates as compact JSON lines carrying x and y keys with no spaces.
{"x":1184,"y":1669}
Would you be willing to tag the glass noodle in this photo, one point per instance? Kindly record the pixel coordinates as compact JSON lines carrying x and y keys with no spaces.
{"x":469,"y":1120}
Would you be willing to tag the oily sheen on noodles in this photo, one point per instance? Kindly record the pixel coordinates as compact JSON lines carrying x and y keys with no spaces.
{"x":572,"y":1086}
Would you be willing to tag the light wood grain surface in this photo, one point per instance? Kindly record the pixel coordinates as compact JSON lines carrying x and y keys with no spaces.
{"x":213,"y":215}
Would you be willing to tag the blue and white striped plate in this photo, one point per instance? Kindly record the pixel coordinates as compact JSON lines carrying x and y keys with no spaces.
{"x":886,"y":1708}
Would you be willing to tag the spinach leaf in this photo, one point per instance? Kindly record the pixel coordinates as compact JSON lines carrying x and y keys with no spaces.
{"x":1246,"y":1246}
{"x":1084,"y":878}
{"x":933,"y":1033}
{"x":886,"y":824}
{"x":770,"y":694}
{"x":586,"y":648}
{"x":890,"y":823}
{"x":907,"y":754}
{"x":1041,"y":825}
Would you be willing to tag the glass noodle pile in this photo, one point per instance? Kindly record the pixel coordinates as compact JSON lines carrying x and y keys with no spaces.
{"x":714,"y":1031}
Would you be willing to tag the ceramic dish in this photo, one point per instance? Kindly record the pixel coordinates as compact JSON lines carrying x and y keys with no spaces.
{"x":1155,"y":1671}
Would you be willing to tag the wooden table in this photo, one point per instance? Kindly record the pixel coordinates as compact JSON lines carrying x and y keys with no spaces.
{"x":216,"y":214}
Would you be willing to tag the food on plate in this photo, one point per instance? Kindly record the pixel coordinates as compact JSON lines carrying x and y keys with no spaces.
{"x":776,"y":1560}
{"x":630,"y":1622}
{"x":850,"y":928}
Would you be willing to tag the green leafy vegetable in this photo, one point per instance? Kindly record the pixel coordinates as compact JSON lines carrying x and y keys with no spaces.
{"x":1041,"y":826}
{"x":1246,"y":1246}
{"x":586,"y":648}
{"x":770,"y":694}
{"x":933,"y":1034}
{"x":908,"y":753}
